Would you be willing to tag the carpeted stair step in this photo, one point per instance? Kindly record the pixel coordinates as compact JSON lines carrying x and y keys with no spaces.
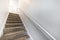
{"x":13,"y":21}
{"x":12,"y":14}
{"x":13,"y":29}
{"x":23,"y":38}
{"x":14,"y":35}
{"x":14,"y":24}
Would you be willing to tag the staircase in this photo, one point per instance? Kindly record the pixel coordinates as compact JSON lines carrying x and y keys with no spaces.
{"x":14,"y":28}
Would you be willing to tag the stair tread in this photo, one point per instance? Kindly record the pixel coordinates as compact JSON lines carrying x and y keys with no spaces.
{"x":15,"y":33}
{"x":9,"y":30}
{"x":14,"y":23}
{"x":13,"y":15}
{"x":13,"y":26}
{"x":14,"y":20}
{"x":16,"y":37}
{"x":22,"y":38}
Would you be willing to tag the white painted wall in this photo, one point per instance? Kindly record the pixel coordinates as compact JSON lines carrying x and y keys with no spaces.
{"x":47,"y":13}
{"x":13,"y":6}
{"x":3,"y":14}
{"x":33,"y":32}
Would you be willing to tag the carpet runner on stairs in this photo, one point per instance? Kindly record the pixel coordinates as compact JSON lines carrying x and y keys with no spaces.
{"x":14,"y":28}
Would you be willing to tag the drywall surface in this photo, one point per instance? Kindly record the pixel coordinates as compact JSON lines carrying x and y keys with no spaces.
{"x":47,"y":13}
{"x":3,"y":14}
{"x":33,"y":32}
